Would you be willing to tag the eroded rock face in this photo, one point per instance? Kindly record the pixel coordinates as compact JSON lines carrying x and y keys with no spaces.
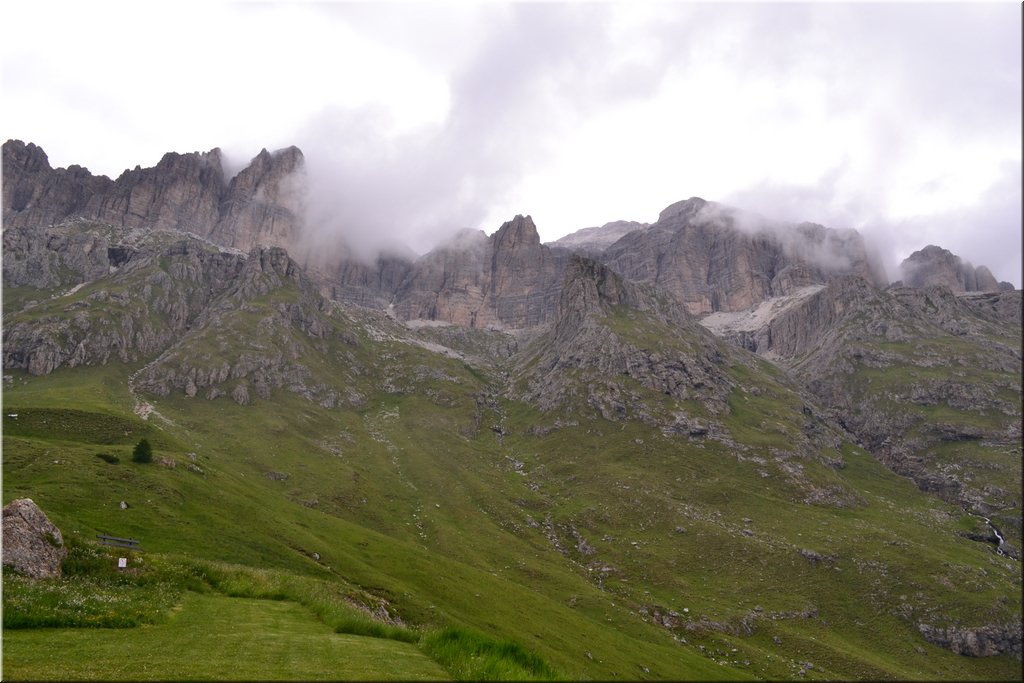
{"x":937,"y":266}
{"x":52,"y":258}
{"x":592,"y":241}
{"x":262,"y":205}
{"x":506,"y":280}
{"x":713,"y":258}
{"x":580,"y":340}
{"x":36,"y":194}
{"x":147,"y":306}
{"x":33,"y":546}
{"x":182,"y":192}
{"x":983,"y":641}
{"x":351,"y":280}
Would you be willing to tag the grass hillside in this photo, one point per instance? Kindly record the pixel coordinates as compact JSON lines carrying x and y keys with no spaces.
{"x":572,"y":543}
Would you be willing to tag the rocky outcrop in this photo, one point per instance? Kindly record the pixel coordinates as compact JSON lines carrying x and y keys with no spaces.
{"x":523,"y":282}
{"x":713,"y":258}
{"x":206,"y":321}
{"x":983,"y":641}
{"x":937,"y":266}
{"x":262,"y":205}
{"x":507,"y":280}
{"x":790,"y":326}
{"x":1003,"y":307}
{"x":255,"y":338}
{"x":129,"y":315}
{"x":56,"y":257}
{"x":33,"y":546}
{"x":584,"y":352}
{"x":36,"y":194}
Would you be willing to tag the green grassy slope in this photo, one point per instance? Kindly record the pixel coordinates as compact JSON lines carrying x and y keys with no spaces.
{"x":484,"y":531}
{"x":611,"y":549}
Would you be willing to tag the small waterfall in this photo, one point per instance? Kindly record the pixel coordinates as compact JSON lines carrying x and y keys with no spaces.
{"x":999,"y":547}
{"x":999,"y":536}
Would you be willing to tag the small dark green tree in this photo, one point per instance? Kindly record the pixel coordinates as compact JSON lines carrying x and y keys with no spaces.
{"x":143,"y":452}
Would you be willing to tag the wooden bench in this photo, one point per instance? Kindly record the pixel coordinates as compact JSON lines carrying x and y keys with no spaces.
{"x":129,"y":543}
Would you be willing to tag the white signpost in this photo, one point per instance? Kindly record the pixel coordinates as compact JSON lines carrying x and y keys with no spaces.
{"x":122,"y":562}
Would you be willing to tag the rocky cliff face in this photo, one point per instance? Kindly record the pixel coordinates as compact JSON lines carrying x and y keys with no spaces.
{"x":55,"y":257}
{"x":711,"y":258}
{"x":506,"y":280}
{"x":937,"y":266}
{"x":983,"y":641}
{"x":129,"y":315}
{"x":36,"y":194}
{"x":592,"y":241}
{"x":262,"y":205}
{"x":351,"y":280}
{"x":188,"y":311}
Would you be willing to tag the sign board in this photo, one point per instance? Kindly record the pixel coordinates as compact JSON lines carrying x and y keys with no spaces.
{"x":122,"y":562}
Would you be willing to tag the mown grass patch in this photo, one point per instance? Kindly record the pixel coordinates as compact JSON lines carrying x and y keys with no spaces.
{"x":343,"y":608}
{"x":213,"y":637}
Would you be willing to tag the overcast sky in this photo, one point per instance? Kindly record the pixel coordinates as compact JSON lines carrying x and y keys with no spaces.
{"x":902,"y":121}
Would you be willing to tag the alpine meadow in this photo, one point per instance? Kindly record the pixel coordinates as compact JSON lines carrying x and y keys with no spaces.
{"x":715,"y":446}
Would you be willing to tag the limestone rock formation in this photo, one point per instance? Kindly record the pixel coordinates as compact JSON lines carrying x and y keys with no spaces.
{"x":937,"y":266}
{"x":592,"y":241}
{"x":137,"y":312}
{"x":36,"y":194}
{"x":262,"y":205}
{"x":182,"y":192}
{"x":352,"y":280}
{"x":506,"y":280}
{"x":56,"y":257}
{"x":581,"y":341}
{"x":33,"y":546}
{"x":713,"y":258}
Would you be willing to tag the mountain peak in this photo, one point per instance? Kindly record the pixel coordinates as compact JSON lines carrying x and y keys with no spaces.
{"x":687,"y":208}
{"x":935,"y":265}
{"x":520,"y":231}
{"x":29,"y":158}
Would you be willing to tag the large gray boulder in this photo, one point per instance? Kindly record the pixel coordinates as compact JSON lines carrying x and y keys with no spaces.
{"x":33,"y":546}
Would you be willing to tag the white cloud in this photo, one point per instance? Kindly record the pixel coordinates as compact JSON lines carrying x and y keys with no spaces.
{"x":428,"y":118}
